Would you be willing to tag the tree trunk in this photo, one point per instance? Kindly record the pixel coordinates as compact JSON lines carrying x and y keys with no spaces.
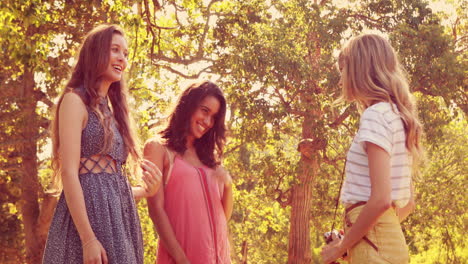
{"x":301,"y":201}
{"x":244,"y":252}
{"x":46,"y":213}
{"x":29,"y":181}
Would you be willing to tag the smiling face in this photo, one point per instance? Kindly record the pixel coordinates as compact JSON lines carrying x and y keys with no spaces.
{"x":203,"y":118}
{"x":117,"y":59}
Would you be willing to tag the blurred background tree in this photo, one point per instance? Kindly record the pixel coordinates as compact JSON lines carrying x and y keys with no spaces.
{"x":275,"y":61}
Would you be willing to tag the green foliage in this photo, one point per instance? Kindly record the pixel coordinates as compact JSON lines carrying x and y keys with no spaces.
{"x":275,"y":61}
{"x":442,"y":200}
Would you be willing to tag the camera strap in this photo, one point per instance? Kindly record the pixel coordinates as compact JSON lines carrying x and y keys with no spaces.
{"x":337,"y":200}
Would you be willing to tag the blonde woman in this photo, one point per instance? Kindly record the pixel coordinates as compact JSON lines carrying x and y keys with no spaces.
{"x":377,"y":192}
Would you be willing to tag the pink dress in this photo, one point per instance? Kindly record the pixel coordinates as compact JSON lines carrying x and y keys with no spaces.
{"x":199,"y":225}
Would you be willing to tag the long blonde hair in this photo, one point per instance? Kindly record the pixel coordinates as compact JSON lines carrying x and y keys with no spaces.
{"x":371,"y":73}
{"x":93,"y":59}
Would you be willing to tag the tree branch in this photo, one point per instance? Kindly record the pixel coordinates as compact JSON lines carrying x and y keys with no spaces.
{"x":193,"y":76}
{"x":284,"y":197}
{"x":231,"y":150}
{"x":374,"y":22}
{"x":341,"y":118}
{"x":44,"y":122}
{"x":179,"y":60}
{"x":205,"y":29}
{"x":41,"y":96}
{"x":11,"y":168}
{"x":323,"y":2}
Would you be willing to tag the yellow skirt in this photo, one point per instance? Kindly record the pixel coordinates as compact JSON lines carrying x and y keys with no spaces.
{"x":386,"y":235}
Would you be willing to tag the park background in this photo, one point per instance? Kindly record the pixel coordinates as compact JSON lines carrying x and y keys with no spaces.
{"x":275,"y":61}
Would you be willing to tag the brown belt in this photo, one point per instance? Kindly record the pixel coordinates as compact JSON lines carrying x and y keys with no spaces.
{"x":351,"y":207}
{"x":349,"y":224}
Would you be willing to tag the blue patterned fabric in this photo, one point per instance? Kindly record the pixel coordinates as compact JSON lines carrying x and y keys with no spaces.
{"x":109,"y":204}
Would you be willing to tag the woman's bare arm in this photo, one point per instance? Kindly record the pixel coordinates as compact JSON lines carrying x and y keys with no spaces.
{"x":226,"y":182}
{"x":379,"y":202}
{"x":155,"y":153}
{"x":72,"y":114}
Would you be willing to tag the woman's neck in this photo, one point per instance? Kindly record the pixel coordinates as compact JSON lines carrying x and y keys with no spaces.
{"x":103,"y":88}
{"x":189,"y":142}
{"x":191,"y":153}
{"x":191,"y":150}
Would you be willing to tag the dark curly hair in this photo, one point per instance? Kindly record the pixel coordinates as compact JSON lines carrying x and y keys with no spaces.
{"x":209,"y":147}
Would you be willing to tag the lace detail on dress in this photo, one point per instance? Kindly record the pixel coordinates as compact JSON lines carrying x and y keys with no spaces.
{"x":97,"y":164}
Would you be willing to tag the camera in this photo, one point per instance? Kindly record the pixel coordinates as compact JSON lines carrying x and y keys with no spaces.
{"x":329,"y":238}
{"x":328,"y":235}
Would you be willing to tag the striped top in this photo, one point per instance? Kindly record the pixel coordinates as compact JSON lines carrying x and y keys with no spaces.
{"x":380,"y":124}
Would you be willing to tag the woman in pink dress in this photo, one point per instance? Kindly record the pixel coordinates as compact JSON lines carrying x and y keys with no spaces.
{"x":191,"y":211}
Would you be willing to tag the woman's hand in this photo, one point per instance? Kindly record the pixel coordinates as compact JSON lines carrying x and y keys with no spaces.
{"x":405,"y":211}
{"x":94,"y":253}
{"x":332,"y":251}
{"x":152,"y":177}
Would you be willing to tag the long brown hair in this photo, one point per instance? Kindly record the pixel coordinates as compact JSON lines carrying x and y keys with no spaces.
{"x":93,"y":60}
{"x":371,"y":73}
{"x":210,"y":146}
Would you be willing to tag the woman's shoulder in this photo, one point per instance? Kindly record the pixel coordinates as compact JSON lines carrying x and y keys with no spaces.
{"x":156,"y":151}
{"x":78,"y":93}
{"x":383,"y":110}
{"x":156,"y":145}
{"x":380,"y":107}
{"x":72,"y":100}
{"x":220,"y":173}
{"x":72,"y":108}
{"x":156,"y":142}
